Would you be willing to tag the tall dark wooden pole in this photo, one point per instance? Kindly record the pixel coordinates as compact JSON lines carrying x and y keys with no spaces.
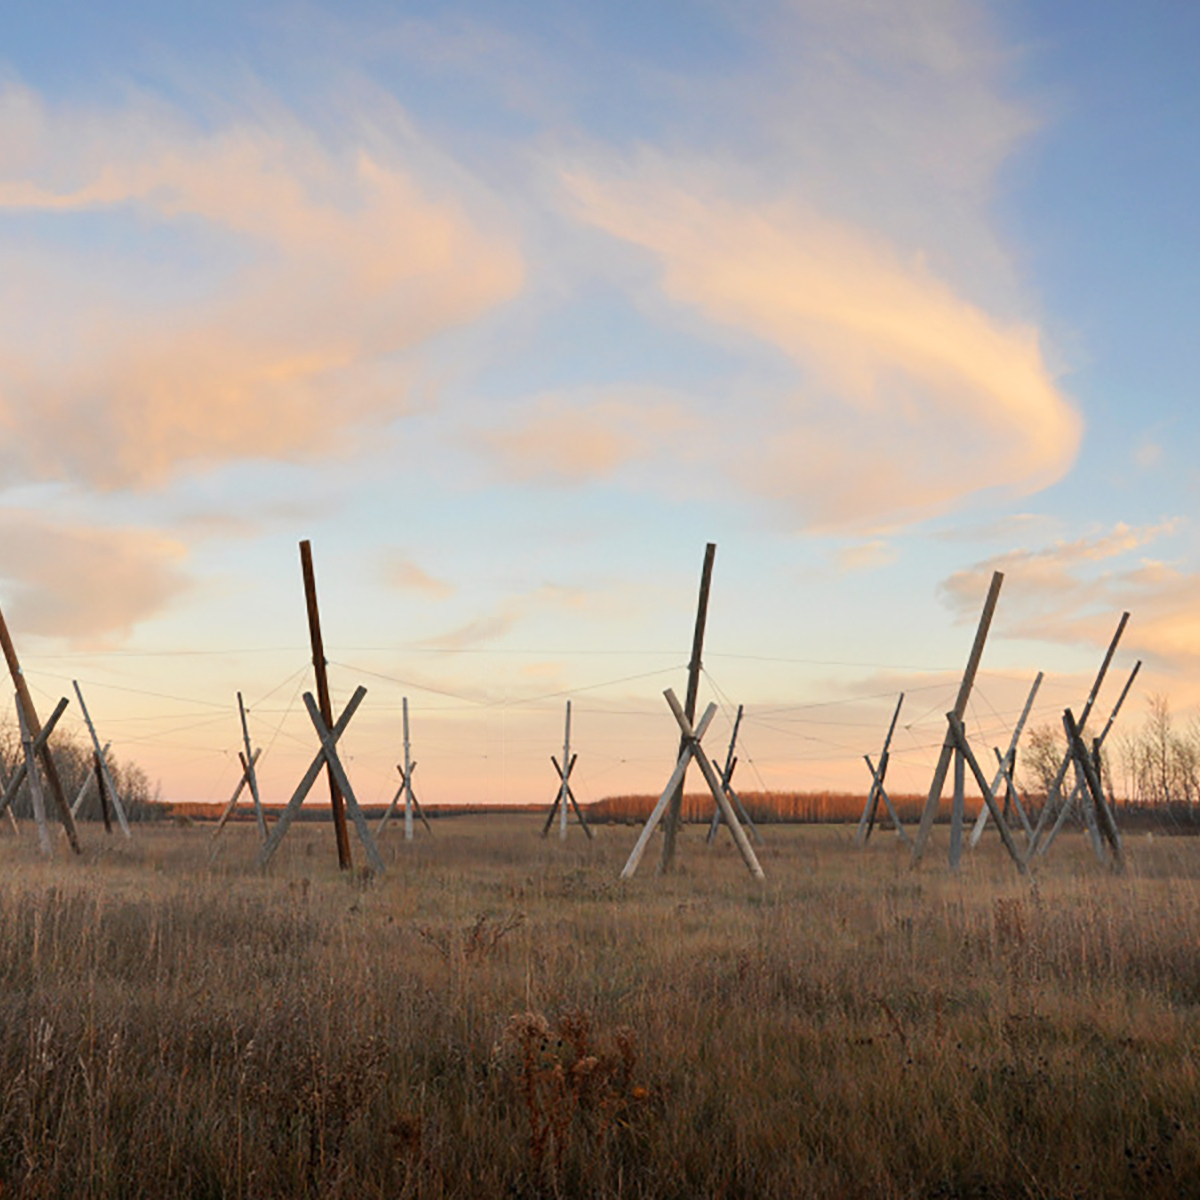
{"x":35,"y":728}
{"x":336,"y":803}
{"x":671,"y":824}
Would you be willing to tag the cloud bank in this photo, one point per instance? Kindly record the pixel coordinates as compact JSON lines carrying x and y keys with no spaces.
{"x":175,"y":294}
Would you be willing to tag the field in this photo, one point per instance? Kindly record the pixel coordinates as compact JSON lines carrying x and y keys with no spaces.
{"x":499,"y":1017}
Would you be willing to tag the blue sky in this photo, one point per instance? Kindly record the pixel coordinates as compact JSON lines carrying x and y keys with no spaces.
{"x":510,"y":309}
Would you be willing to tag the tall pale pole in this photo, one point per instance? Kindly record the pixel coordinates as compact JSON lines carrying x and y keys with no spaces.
{"x":408,"y":793}
{"x":562,"y":795}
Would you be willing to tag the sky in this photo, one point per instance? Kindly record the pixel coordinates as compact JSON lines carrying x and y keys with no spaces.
{"x":510,"y":309}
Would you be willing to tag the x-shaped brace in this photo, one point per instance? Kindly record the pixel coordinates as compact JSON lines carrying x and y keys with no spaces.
{"x":565,"y":786}
{"x":391,"y":808}
{"x":691,"y":750}
{"x":326,"y":755}
{"x":38,"y":746}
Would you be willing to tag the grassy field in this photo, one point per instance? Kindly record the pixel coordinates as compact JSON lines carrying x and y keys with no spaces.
{"x":498,"y":1016}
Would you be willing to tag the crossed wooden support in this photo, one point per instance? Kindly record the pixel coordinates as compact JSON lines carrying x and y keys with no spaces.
{"x":727,"y":771}
{"x":564,"y":789}
{"x":959,"y":738}
{"x":1065,"y":808}
{"x":866,"y":823}
{"x":327,"y":755}
{"x":1006,"y":766}
{"x":691,"y":750}
{"x":34,"y":747}
{"x":104,"y":780}
{"x":407,"y":790}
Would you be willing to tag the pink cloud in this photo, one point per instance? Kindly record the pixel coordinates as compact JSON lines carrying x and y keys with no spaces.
{"x":330,"y":268}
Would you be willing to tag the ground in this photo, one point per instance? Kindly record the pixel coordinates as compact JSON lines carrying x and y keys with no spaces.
{"x":500,"y":1016}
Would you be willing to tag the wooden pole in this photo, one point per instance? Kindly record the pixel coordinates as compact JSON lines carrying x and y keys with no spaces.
{"x":102,"y":788}
{"x":25,"y":703}
{"x":961,"y":743}
{"x":251,"y":774}
{"x":336,"y":801}
{"x":1009,"y":762}
{"x":866,"y":822}
{"x":660,"y":807}
{"x":562,"y":807}
{"x":960,"y":708}
{"x":1055,"y":793}
{"x":1103,"y":817}
{"x":878,"y":775}
{"x":118,"y":807}
{"x":671,"y":824}
{"x":408,"y":792}
{"x":726,"y":774}
{"x":292,"y":807}
{"x":35,"y":786}
{"x":957,"y":809}
{"x":237,"y":791}
{"x":19,"y":775}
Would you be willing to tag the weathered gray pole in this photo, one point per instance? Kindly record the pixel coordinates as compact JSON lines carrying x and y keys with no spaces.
{"x":251,"y":774}
{"x":336,"y":802}
{"x":672,"y":818}
{"x":408,"y":792}
{"x":1055,"y":792}
{"x":562,"y":798}
{"x":726,"y":774}
{"x":102,"y":760}
{"x":956,"y":811}
{"x":35,"y":786}
{"x":960,"y":708}
{"x":866,"y":823}
{"x":1008,"y":765}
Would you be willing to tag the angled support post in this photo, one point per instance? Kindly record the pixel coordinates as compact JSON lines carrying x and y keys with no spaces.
{"x":866,"y":823}
{"x":695,"y":665}
{"x":656,"y":814}
{"x":35,"y":785}
{"x":38,"y":744}
{"x":964,"y":748}
{"x":1067,"y":806}
{"x":227,"y":812}
{"x":1054,"y":796}
{"x":929,"y":814}
{"x":107,"y":780}
{"x":562,"y":791}
{"x":1104,"y":818}
{"x":49,"y":767}
{"x":691,"y":739}
{"x":897,"y":824}
{"x":248,"y":761}
{"x":329,"y":749}
{"x":1006,"y":764}
{"x":726,"y":773}
{"x":288,"y":815}
{"x":336,"y":801}
{"x":88,"y":780}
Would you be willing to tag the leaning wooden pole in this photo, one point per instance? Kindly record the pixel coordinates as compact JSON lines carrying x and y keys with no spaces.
{"x":563,"y":807}
{"x":336,"y":803}
{"x":960,"y":709}
{"x":671,"y":824}
{"x":25,"y":700}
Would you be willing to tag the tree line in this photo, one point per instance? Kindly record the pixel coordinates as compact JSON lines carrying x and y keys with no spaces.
{"x":75,"y":762}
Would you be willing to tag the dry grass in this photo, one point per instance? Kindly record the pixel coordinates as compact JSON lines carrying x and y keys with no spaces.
{"x":499,"y":1017}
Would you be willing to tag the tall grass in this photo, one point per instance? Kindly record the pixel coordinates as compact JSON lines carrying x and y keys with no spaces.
{"x":499,"y":1017}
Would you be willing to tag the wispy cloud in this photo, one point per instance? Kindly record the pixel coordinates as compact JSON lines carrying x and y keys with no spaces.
{"x":911,"y":398}
{"x":578,"y":437}
{"x":256,"y":295}
{"x":400,"y":572}
{"x":1070,"y":592}
{"x":90,"y":585}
